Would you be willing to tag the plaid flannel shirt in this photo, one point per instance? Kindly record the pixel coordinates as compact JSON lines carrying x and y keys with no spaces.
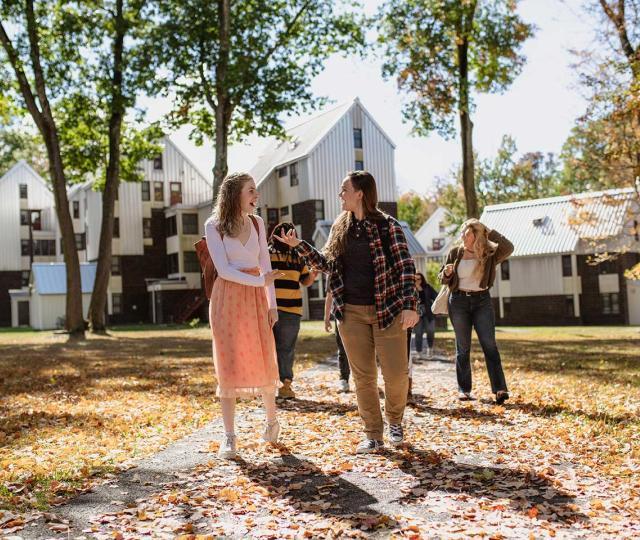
{"x":394,"y":288}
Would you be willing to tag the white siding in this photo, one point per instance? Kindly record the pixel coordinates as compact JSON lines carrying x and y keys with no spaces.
{"x":328,"y":165}
{"x":269,"y":193}
{"x":45,"y":310}
{"x":378,"y":158}
{"x":130,"y":214}
{"x":536,"y":276}
{"x":39,"y":197}
{"x":92,"y":222}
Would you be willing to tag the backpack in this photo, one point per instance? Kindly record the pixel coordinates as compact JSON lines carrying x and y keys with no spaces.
{"x":209,"y":272}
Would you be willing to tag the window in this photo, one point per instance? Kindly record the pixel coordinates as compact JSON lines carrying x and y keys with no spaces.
{"x":568,"y":306}
{"x":76,"y":209}
{"x":23,"y":191}
{"x":116,"y":303}
{"x":636,"y":230}
{"x":81,"y":241}
{"x":313,"y":291}
{"x":24,"y":278}
{"x":173,"y":264}
{"x":441,"y":226}
{"x":437,"y":244}
{"x":357,"y":138}
{"x":146,"y":228}
{"x":24,"y":217}
{"x":566,"y":266}
{"x":506,"y":307}
{"x":176,"y":193}
{"x":608,"y":266}
{"x":282,"y":172}
{"x":259,"y":211}
{"x":44,"y":248}
{"x":191,"y":263}
{"x":157,"y":163}
{"x":146,"y":190}
{"x":319,"y":208}
{"x":36,"y":222}
{"x":505,"y":271}
{"x":359,"y":165}
{"x":172,"y":226}
{"x":116,"y":227}
{"x":272,"y":216}
{"x":610,"y":303}
{"x":116,"y":267}
{"x":293,"y":175}
{"x":284,"y":211}
{"x":25,"y":248}
{"x":158,"y":192}
{"x":189,"y":223}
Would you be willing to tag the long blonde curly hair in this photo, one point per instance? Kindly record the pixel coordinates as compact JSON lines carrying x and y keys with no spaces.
{"x":361,"y":181}
{"x":227,"y":211}
{"x":482,"y":246}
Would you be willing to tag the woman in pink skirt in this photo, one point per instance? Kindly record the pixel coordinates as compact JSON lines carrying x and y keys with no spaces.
{"x":243,"y":307}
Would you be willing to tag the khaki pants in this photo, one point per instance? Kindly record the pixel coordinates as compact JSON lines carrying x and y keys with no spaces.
{"x":362,"y":340}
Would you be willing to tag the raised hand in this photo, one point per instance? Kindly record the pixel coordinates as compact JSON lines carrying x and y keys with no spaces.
{"x":290,"y":238}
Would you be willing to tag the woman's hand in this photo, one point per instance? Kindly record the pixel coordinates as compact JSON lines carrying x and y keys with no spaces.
{"x":409,"y":319}
{"x":290,"y":238}
{"x":448,"y":270}
{"x":270,"y":277}
{"x":327,"y":325}
{"x":273,"y":316}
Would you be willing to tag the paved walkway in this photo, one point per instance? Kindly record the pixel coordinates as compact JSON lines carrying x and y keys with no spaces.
{"x":463,"y":473}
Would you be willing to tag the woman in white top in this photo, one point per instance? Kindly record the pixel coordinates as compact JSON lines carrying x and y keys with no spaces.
{"x":243,"y":308}
{"x":469,"y":271}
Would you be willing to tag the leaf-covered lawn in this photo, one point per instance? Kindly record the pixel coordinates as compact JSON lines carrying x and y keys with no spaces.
{"x":563,"y":454}
{"x":73,"y":411}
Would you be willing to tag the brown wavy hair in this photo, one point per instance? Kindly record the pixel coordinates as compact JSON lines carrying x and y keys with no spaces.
{"x":361,"y":181}
{"x":482,"y":246}
{"x":227,"y":211}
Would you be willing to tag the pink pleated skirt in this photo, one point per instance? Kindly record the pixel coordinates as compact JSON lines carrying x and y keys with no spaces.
{"x":244,"y":352}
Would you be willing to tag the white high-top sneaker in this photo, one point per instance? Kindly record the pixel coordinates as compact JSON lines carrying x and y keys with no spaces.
{"x":429,"y":353}
{"x":271,"y":432}
{"x":227,"y":448}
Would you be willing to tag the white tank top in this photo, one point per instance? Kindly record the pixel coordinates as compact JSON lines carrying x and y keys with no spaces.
{"x":466,"y":280}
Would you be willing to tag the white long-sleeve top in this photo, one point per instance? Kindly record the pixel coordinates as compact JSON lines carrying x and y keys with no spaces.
{"x":230,"y":256}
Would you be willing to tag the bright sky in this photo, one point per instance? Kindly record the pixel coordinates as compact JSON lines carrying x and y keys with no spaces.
{"x":538,"y":110}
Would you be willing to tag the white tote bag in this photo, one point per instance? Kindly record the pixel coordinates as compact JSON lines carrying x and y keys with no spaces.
{"x":440,"y":305}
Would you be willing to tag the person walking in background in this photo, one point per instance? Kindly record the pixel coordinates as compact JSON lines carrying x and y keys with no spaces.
{"x":427,"y":322}
{"x":372,"y":281}
{"x":289,"y":300}
{"x":469,"y":272}
{"x":242,"y":310}
{"x":343,"y":363}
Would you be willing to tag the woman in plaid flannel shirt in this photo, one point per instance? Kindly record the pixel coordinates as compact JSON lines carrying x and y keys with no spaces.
{"x":372,"y":281}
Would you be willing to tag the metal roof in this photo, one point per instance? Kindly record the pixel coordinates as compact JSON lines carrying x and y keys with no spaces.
{"x":51,"y":278}
{"x":557,"y":224}
{"x":415,"y":248}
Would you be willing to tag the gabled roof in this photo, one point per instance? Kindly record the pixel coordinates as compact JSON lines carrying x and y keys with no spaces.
{"x":22,"y":164}
{"x":422,"y":233}
{"x":323,"y":227}
{"x":304,"y":138}
{"x":557,"y":224}
{"x":51,"y":278}
{"x":207,"y":177}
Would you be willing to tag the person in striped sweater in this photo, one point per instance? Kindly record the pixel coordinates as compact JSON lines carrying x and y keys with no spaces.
{"x":289,"y":301}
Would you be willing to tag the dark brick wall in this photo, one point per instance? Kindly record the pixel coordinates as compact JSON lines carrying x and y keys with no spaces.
{"x":8,"y":280}
{"x":316,"y":309}
{"x":535,"y":311}
{"x":390,"y":208}
{"x":304,"y":214}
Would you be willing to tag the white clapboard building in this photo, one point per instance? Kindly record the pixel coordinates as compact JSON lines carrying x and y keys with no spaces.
{"x":436,"y":236}
{"x":550,"y":278}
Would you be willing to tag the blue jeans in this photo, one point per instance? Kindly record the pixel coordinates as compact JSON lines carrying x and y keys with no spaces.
{"x":428,"y":326}
{"x":285,"y":332}
{"x":475,"y":311}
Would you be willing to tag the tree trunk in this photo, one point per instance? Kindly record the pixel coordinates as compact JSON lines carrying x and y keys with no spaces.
{"x":97,"y":308}
{"x":223,"y":104}
{"x":466,"y":132}
{"x":43,"y":118}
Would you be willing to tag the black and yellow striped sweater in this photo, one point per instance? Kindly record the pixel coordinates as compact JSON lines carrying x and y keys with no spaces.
{"x":288,"y":290}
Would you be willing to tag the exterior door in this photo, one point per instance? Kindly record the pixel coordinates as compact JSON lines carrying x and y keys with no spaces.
{"x":23,"y":314}
{"x":633,"y":299}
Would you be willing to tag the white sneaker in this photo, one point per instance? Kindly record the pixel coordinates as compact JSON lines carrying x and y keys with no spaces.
{"x":344,"y":385}
{"x":368,"y":446}
{"x":227,"y":448}
{"x":429,"y":353}
{"x":465,"y":396}
{"x":396,"y":434}
{"x":271,"y":432}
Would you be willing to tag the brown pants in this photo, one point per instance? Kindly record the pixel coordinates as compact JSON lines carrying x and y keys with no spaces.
{"x":362,"y":340}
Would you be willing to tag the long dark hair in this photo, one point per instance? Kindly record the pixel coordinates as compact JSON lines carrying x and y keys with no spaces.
{"x":361,"y":181}
{"x":424,"y":283}
{"x":275,"y":246}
